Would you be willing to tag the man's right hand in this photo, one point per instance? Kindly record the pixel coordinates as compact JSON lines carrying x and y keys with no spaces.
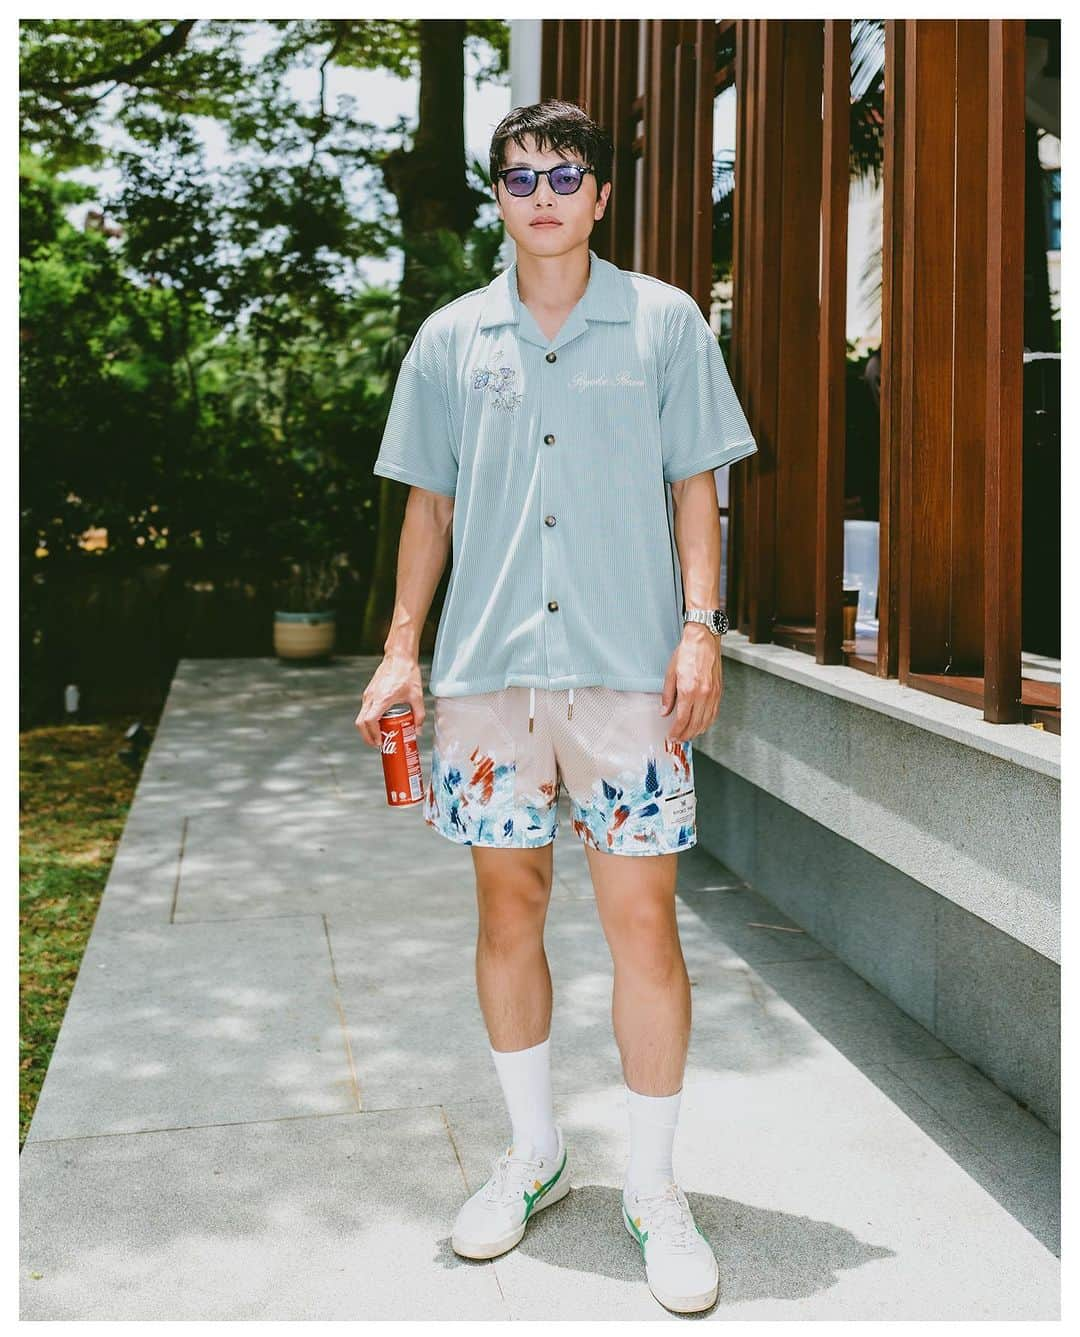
{"x":396,"y":679}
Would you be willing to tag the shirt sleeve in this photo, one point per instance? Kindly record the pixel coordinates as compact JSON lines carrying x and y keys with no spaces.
{"x":702,"y":423}
{"x":417,"y":444}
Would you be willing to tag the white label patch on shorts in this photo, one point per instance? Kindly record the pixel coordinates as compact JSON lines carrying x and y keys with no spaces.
{"x":678,"y":809}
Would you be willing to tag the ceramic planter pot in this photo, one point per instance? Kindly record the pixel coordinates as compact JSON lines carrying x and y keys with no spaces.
{"x":304,"y":635}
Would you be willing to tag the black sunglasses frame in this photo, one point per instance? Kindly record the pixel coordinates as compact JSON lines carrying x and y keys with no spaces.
{"x":546,"y":171}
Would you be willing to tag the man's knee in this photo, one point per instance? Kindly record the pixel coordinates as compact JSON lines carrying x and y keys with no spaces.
{"x":513,"y":888}
{"x":643,"y":931}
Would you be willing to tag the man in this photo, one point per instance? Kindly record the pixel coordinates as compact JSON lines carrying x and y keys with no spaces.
{"x":560,"y":428}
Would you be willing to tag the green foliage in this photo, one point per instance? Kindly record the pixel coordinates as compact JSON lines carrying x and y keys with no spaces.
{"x":201,"y":367}
{"x":310,"y":587}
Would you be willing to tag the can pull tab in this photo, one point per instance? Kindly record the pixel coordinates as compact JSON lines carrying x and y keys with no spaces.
{"x":532,"y":707}
{"x":570,"y":706}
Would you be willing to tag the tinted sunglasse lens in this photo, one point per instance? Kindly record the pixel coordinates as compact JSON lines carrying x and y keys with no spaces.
{"x":564,"y":180}
{"x":522,"y":182}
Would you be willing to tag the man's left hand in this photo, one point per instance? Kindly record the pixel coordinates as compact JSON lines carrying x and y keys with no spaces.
{"x":694,"y":683}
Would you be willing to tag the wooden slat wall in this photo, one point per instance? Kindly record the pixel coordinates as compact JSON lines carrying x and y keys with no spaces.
{"x":741,"y":353}
{"x":967,"y":483}
{"x":894,"y":240}
{"x":568,"y":59}
{"x":549,"y":59}
{"x":764,"y":223}
{"x":701,"y":231}
{"x":948,"y":538}
{"x":596,"y":39}
{"x":797,"y":200}
{"x":659,"y":143}
{"x":929,"y":185}
{"x":952,"y":312}
{"x":624,"y":83}
{"x":679,"y":261}
{"x":832,"y":328}
{"x":1004,"y":355}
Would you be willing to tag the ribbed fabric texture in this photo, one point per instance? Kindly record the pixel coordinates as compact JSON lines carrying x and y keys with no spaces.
{"x":525,"y":1078}
{"x":654,"y":1121}
{"x":558,"y":454}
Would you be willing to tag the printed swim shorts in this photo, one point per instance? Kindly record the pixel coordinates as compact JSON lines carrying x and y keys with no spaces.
{"x":500,"y":759}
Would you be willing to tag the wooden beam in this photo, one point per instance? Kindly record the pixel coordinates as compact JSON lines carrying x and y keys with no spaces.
{"x":832,"y":326}
{"x":623,"y":128}
{"x":685,"y":131}
{"x":1004,"y":368}
{"x":701,"y":186}
{"x":894,"y":239}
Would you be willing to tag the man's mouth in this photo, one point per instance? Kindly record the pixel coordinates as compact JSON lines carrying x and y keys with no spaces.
{"x":546,"y":222}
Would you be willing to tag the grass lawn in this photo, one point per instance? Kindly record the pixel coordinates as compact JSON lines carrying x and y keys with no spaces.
{"x":74,"y":796}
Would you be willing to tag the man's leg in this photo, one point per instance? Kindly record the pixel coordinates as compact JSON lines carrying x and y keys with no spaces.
{"x":513,"y":984}
{"x":513,"y":887}
{"x":650,"y":1002}
{"x":650,"y":1005}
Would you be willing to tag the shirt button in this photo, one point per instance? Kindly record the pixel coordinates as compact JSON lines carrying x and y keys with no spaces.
{"x":551,"y":357}
{"x":549,"y":440}
{"x":549,"y":519}
{"x":553,"y":606}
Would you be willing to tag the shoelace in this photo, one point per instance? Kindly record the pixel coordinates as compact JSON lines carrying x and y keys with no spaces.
{"x":669,"y":1218}
{"x":496,"y":1186}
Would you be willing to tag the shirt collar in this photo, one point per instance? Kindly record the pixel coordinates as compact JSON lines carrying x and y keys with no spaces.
{"x":604,"y":298}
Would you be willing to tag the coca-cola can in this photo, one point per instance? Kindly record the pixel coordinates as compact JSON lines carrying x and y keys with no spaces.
{"x":401,"y":756}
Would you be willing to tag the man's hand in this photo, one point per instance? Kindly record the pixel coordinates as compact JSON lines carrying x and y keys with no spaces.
{"x":694,"y":683}
{"x":396,"y":679}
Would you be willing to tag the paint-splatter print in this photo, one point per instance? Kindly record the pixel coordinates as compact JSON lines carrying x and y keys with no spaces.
{"x":496,"y":782}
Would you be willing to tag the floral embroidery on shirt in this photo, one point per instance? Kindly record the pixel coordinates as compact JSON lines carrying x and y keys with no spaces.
{"x":500,"y":381}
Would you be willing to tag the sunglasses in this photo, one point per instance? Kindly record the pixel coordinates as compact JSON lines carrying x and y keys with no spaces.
{"x":563,"y":180}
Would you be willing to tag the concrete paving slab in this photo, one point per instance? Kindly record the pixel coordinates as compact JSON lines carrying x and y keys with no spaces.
{"x":145,"y":873}
{"x":861,"y":1023}
{"x":820,"y":1198}
{"x":344,"y":1217}
{"x":282,"y":975}
{"x":990,"y":1118}
{"x":341,"y":860}
{"x":198,"y":1024}
{"x":1024,"y":1179}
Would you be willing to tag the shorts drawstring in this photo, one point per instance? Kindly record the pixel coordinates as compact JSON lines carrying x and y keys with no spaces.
{"x":532,"y":706}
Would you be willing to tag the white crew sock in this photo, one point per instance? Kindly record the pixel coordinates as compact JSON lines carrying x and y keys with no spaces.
{"x":653,"y":1120}
{"x":525,"y":1077}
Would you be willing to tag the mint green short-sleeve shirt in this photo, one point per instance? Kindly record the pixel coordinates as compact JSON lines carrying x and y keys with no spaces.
{"x":559,"y":453}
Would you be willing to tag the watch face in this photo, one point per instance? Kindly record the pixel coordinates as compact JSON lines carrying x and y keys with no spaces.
{"x":719,"y":621}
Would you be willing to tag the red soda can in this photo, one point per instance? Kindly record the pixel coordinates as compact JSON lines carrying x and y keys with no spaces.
{"x":401,"y":756}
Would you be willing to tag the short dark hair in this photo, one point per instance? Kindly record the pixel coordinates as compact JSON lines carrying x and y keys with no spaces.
{"x":557,"y":126}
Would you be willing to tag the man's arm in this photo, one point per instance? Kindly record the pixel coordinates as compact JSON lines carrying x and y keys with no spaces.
{"x":422,"y":551}
{"x":697,"y":537}
{"x":694,"y":681}
{"x":425,"y":542}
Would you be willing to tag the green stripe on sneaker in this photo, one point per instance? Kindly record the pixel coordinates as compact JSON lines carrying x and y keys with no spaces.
{"x":639,"y":1235}
{"x":531,"y":1199}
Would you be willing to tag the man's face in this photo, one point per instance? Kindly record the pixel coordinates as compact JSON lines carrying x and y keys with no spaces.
{"x":545,"y":222}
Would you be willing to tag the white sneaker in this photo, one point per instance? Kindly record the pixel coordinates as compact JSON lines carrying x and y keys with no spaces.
{"x":680,"y":1266}
{"x":494,"y":1218}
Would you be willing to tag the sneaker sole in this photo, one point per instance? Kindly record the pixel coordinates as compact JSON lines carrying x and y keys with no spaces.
{"x":492,"y":1248}
{"x":683,"y":1304}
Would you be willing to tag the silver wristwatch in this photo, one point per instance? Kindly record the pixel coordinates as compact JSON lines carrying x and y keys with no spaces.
{"x":714,"y":618}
